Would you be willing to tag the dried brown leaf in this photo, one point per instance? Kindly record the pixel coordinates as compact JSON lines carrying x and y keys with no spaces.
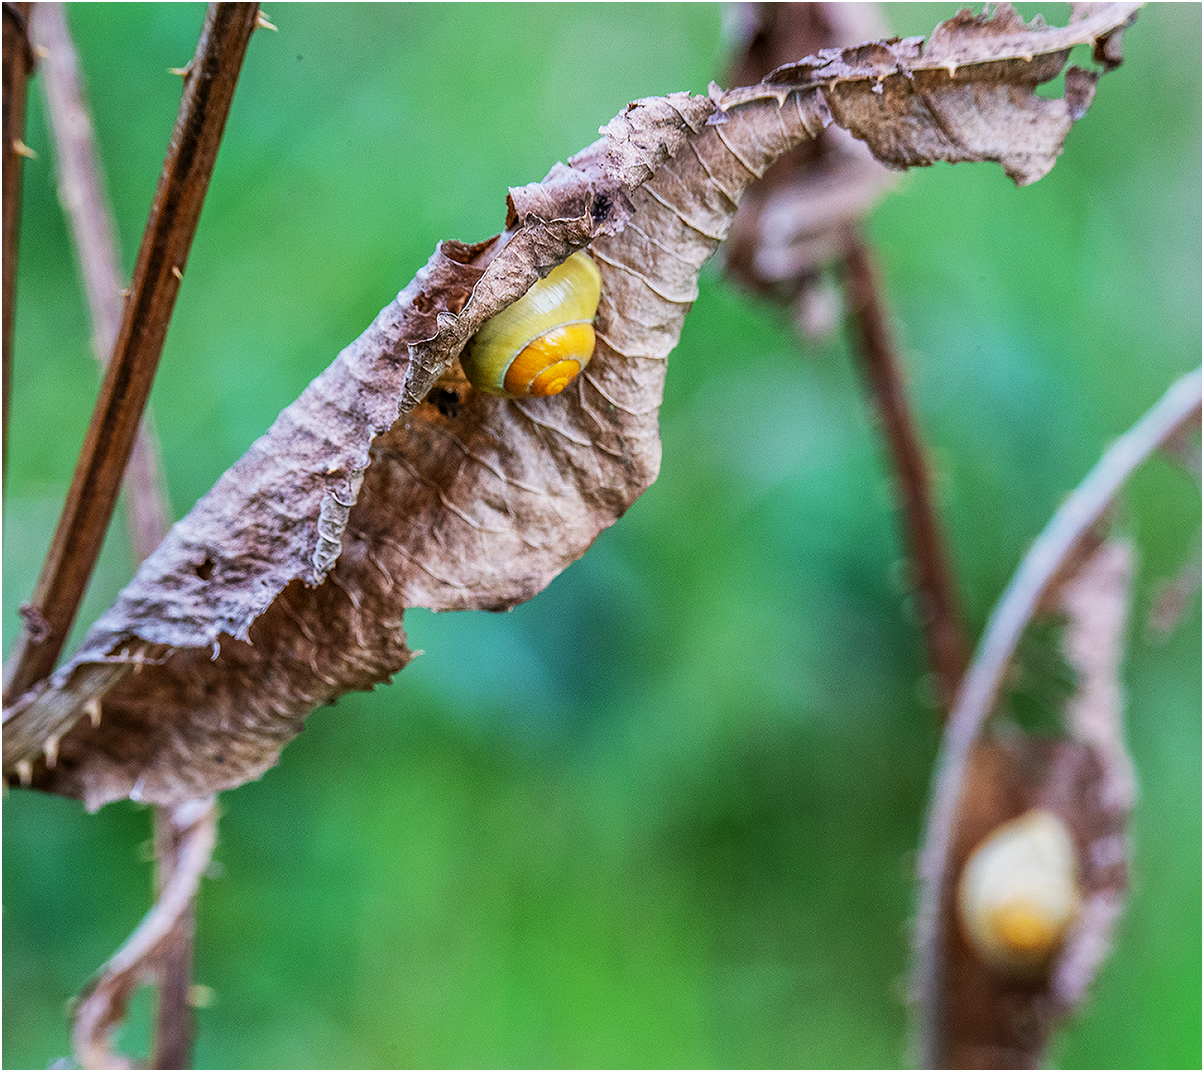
{"x":286,"y":585}
{"x":967,"y":93}
{"x":794,"y":221}
{"x":968,"y":1015}
{"x":1096,"y":604}
{"x":1084,"y":776}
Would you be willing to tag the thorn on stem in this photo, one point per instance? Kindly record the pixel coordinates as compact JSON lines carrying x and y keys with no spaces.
{"x":36,"y":625}
{"x":21,"y":149}
{"x":183,"y":72}
{"x":175,"y":270}
{"x":261,"y":23}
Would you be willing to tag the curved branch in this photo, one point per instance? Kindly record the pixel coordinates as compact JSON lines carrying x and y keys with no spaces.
{"x":1057,"y":544}
{"x":102,"y":1005}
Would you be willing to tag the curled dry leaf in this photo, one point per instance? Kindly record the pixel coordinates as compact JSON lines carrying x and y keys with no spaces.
{"x":967,"y":1014}
{"x":286,"y":584}
{"x":992,"y":1015}
{"x":965,"y":93}
{"x":1096,"y":604}
{"x":794,"y":221}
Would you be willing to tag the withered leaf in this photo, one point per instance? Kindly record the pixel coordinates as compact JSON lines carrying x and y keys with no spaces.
{"x":795,"y":221}
{"x":287,"y":583}
{"x":967,"y":1014}
{"x":966,"y":93}
{"x":990,"y":1018}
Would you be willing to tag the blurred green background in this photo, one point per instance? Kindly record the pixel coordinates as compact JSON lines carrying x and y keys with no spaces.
{"x":687,"y":839}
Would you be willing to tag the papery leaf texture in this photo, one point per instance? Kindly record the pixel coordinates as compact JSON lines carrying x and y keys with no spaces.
{"x":390,"y":483}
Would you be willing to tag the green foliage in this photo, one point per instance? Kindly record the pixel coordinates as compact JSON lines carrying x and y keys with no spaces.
{"x":664,"y":814}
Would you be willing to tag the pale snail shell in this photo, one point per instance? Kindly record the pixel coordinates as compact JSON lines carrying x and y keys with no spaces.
{"x":538,"y":344}
{"x":1019,"y":893}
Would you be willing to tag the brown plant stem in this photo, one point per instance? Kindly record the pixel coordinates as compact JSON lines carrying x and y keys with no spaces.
{"x":173,"y":1028}
{"x":208,"y":94}
{"x":86,"y":204}
{"x":88,"y":209}
{"x":939,"y":607}
{"x":1070,"y":526}
{"x":18,"y":62}
{"x":101,"y":1007}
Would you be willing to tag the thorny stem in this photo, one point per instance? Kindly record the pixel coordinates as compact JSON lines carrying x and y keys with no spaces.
{"x":172,"y":1046}
{"x":18,"y":62}
{"x":936,"y":594}
{"x":102,"y":1005}
{"x":86,"y":204}
{"x":208,"y":94}
{"x":1071,"y":524}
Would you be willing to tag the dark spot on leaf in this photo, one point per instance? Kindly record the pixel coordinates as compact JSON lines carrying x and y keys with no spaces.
{"x":445,"y":401}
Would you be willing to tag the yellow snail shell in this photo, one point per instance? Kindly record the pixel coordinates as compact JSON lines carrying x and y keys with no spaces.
{"x":538,"y":344}
{"x":1019,"y":893}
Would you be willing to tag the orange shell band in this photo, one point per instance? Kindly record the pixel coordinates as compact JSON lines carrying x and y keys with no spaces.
{"x":547,"y":364}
